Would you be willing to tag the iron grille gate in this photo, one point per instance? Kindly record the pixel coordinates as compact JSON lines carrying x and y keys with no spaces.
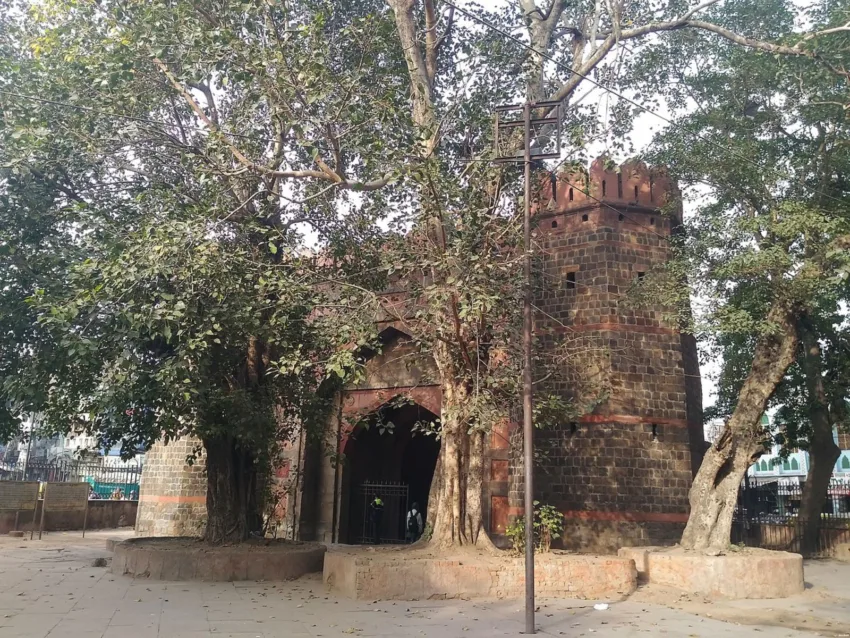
{"x":395,"y":498}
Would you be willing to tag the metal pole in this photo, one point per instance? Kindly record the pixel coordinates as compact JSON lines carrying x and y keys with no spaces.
{"x":527,"y":424}
{"x":86,"y":517}
{"x":43,"y":508}
{"x":29,"y":447}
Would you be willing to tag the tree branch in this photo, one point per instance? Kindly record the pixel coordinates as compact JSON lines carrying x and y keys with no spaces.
{"x":684,"y":23}
{"x":326,"y":174}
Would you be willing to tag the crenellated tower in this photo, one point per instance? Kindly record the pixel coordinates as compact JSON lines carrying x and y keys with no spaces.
{"x":621,"y":473}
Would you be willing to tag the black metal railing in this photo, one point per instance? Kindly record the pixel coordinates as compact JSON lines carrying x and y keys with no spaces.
{"x":107,"y":481}
{"x":767,"y":516}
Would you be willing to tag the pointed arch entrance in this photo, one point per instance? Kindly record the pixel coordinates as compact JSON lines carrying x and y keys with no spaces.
{"x":387,"y":452}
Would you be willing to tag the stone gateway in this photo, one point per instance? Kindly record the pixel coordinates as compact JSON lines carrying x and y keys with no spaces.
{"x":620,"y":474}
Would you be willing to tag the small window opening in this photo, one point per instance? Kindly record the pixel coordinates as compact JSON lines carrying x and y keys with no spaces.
{"x":584,"y":218}
{"x":654,"y":431}
{"x":636,"y":193}
{"x":573,"y":427}
{"x":554,"y":223}
{"x":621,"y":217}
{"x":571,"y":281}
{"x":554,"y":180}
{"x":652,"y":221}
{"x":571,"y":194}
{"x":651,"y":191}
{"x":620,"y":185}
{"x":641,"y":275}
{"x":604,"y":189}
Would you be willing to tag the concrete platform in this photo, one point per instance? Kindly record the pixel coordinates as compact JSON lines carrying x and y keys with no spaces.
{"x":185,"y":559}
{"x":748,"y":573}
{"x":400,"y":575}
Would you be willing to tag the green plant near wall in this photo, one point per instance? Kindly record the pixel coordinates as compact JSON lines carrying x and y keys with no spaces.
{"x":548,"y":526}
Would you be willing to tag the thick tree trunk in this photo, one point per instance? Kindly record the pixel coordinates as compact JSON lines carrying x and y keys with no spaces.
{"x":714,"y":492}
{"x":823,"y":452}
{"x":231,"y":488}
{"x":455,"y":502}
{"x":454,"y":505}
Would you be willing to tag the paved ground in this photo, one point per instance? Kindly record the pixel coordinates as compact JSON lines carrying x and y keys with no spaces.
{"x":51,"y":589}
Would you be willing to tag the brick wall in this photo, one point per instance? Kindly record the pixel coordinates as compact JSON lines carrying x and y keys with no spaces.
{"x":172,"y":494}
{"x":621,"y":474}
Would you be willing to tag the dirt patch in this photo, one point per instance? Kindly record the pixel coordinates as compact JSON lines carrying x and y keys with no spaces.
{"x":814,"y":611}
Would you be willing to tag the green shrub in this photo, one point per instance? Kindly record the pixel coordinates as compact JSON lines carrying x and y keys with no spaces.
{"x":548,"y":526}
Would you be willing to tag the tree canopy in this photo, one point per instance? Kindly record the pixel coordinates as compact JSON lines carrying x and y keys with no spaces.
{"x":202,"y":204}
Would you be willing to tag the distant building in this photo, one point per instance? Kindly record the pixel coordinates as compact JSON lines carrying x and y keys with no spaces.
{"x":795,"y":465}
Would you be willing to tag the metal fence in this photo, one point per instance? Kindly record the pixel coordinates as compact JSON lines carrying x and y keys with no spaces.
{"x":767,"y":516}
{"x":391,"y":527}
{"x":107,"y":481}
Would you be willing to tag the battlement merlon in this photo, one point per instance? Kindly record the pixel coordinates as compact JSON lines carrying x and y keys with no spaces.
{"x":634,"y":185}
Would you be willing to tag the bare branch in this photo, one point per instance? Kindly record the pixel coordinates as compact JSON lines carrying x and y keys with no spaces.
{"x":431,"y":41}
{"x":698,"y":8}
{"x":540,"y":30}
{"x":846,"y":27}
{"x":326,"y":174}
{"x":420,"y":85}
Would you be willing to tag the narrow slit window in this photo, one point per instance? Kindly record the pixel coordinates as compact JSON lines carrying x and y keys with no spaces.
{"x":604,"y":189}
{"x":571,"y":281}
{"x":636,"y":193}
{"x":571,"y":194}
{"x":619,"y":186}
{"x":652,"y":221}
{"x":621,"y":217}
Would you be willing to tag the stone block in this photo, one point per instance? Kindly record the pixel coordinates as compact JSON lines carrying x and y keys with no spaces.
{"x":185,"y":559}
{"x":363,"y":575}
{"x":749,"y":573}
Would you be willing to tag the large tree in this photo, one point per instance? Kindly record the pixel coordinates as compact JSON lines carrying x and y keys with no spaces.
{"x":155,"y":288}
{"x":569,"y":42}
{"x":768,"y":250}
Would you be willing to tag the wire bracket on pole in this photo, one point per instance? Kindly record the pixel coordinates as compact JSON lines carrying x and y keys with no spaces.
{"x":550,"y":123}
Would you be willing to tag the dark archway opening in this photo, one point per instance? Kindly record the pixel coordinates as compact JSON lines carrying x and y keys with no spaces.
{"x":397,"y":462}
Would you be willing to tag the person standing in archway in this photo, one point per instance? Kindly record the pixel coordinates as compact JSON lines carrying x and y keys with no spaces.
{"x":376,"y":514}
{"x":414,"y":524}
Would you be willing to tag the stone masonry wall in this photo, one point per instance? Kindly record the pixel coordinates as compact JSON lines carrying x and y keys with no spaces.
{"x":621,"y":473}
{"x":172,"y":494}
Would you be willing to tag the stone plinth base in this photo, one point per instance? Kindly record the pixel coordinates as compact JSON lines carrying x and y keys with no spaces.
{"x":748,"y":573}
{"x":190,"y":559}
{"x":398,"y":575}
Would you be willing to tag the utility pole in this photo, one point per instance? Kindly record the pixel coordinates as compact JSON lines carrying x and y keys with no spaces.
{"x":527,"y":123}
